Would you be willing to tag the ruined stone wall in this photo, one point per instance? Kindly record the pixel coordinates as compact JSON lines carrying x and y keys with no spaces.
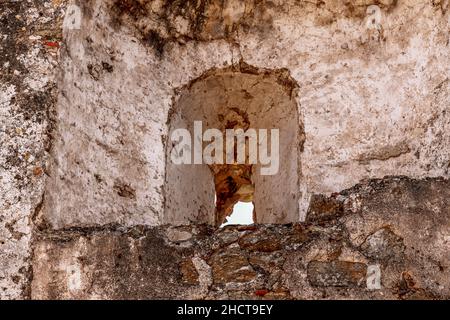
{"x":396,"y":228}
{"x":83,"y":166}
{"x":30,"y":36}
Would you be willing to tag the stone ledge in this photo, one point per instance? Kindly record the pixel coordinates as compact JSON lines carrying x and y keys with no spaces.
{"x":297,"y":261}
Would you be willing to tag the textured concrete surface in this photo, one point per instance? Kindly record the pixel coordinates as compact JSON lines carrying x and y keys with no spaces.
{"x":373,"y":98}
{"x":30,"y":33}
{"x":238,"y":98}
{"x":82,"y":154}
{"x":398,"y":226}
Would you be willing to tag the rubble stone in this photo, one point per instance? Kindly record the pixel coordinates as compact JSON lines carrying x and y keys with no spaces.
{"x":336,"y":274}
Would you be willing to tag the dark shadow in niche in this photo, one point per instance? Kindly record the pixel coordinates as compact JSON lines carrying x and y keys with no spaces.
{"x":238,"y":97}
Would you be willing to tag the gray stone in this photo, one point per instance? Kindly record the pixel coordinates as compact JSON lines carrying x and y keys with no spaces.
{"x":178,"y":235}
{"x":383,"y":245}
{"x":336,"y":274}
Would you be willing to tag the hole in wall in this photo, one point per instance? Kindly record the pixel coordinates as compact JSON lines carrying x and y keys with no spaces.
{"x":234,"y":98}
{"x":242,"y":214}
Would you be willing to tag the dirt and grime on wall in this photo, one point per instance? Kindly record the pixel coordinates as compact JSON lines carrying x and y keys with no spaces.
{"x":30,"y":37}
{"x":388,"y":239}
{"x":161,"y":22}
{"x":84,"y":118}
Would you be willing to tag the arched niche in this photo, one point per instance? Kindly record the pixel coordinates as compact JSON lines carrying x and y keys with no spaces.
{"x":236,"y":97}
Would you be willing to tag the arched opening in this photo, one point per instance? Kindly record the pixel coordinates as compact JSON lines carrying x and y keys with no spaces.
{"x":259,"y":107}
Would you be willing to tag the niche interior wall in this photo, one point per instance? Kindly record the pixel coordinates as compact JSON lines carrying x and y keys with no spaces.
{"x":240,"y":97}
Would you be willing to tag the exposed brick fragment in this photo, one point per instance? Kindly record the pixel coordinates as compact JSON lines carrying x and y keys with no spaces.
{"x":189,"y":273}
{"x":324,"y":208}
{"x":232,"y":266}
{"x":262,"y":240}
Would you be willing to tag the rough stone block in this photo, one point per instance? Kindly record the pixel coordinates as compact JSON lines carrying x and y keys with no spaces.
{"x":336,"y":274}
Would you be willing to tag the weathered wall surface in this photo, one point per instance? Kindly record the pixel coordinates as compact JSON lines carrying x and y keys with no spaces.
{"x":397,"y":226}
{"x":235,"y":99}
{"x":374,"y":94}
{"x":373,"y":97}
{"x":30,"y":32}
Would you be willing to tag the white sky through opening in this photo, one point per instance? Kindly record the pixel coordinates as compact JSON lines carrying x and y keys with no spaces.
{"x":242,"y":214}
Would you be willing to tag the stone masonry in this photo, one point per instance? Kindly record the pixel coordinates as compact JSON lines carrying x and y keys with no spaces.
{"x":87,"y":93}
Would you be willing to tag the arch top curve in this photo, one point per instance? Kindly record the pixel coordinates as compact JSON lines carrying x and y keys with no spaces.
{"x":282,"y":75}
